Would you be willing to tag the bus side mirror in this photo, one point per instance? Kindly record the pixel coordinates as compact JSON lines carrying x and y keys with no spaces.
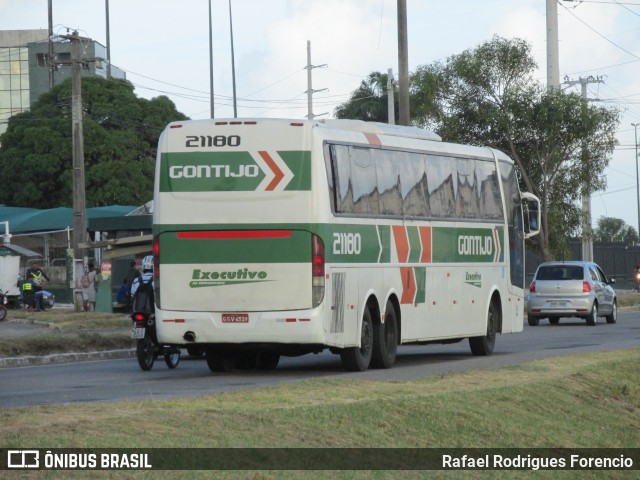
{"x":531,"y":211}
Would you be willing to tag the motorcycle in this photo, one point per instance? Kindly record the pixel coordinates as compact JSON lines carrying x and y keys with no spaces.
{"x":636,"y":277}
{"x":3,"y":306}
{"x":147,"y":346}
{"x":47,"y":300}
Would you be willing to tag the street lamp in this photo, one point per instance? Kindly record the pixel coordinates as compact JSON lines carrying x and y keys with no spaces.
{"x":635,"y":137}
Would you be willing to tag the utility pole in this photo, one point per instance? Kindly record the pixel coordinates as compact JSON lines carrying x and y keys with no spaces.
{"x":635,"y":137}
{"x":391,"y":110}
{"x":210,"y":61}
{"x":310,"y":91}
{"x":587,"y":241}
{"x":553,"y":67}
{"x":403,"y":65}
{"x":233,"y":66}
{"x":106,"y":5}
{"x":79,"y":198}
{"x":80,"y":236}
{"x":50,"y":45}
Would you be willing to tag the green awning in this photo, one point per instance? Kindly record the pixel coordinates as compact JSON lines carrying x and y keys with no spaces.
{"x":32,"y":220}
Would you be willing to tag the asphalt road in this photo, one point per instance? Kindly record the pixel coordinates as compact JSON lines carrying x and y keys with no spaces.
{"x":122,"y":380}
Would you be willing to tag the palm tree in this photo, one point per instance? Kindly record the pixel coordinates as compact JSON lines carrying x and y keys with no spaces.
{"x":368,"y":102}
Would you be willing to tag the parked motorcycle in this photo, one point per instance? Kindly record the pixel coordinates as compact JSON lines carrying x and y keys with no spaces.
{"x":3,"y":306}
{"x":28,"y":300}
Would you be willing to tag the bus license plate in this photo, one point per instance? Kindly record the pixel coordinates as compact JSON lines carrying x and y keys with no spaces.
{"x":235,"y":318}
{"x":137,"y":333}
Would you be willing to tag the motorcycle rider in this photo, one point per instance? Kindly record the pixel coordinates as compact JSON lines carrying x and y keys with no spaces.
{"x":146,"y":278}
{"x":36,"y":277}
{"x":28,"y":296}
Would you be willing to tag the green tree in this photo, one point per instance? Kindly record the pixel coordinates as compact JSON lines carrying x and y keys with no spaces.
{"x":610,"y":229}
{"x":121,"y":134}
{"x":561,"y":144}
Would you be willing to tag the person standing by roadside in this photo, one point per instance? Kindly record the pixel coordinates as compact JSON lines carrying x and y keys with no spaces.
{"x":88,"y":285}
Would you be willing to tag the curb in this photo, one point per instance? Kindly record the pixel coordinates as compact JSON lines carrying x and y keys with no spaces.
{"x":57,"y":358}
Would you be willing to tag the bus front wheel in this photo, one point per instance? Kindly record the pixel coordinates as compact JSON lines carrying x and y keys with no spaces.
{"x":357,"y":359}
{"x":484,"y":345}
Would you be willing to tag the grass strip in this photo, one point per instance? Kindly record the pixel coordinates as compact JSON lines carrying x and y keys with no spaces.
{"x":581,"y":401}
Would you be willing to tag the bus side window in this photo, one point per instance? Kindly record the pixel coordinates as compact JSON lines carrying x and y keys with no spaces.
{"x":363,"y":182}
{"x":343,"y":190}
{"x":442,"y":187}
{"x":414,"y":185}
{"x":388,"y":180}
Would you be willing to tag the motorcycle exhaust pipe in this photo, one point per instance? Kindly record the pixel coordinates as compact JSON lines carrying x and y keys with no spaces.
{"x":189,"y":336}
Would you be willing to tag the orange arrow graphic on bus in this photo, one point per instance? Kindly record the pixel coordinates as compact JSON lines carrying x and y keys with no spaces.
{"x":408,"y":285}
{"x":278,"y":174}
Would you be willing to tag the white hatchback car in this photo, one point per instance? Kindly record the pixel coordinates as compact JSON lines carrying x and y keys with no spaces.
{"x":571,"y":289}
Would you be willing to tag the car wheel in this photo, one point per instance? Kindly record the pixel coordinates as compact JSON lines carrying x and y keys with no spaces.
{"x":533,"y":321}
{"x":613,"y":318}
{"x":591,"y":318}
{"x":554,"y":320}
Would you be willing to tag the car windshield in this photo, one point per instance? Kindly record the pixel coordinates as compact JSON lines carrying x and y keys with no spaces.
{"x":560,"y":272}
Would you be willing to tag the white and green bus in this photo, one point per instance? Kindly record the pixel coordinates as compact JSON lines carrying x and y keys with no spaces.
{"x":277,"y":237}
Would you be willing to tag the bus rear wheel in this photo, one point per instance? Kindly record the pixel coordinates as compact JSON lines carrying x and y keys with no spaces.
{"x":267,"y":360}
{"x":357,"y":359}
{"x":385,"y":339}
{"x":219,"y":361}
{"x":482,"y":346}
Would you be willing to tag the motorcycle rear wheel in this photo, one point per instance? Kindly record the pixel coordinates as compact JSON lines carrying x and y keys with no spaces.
{"x":3,"y":312}
{"x":146,"y":353}
{"x":172,"y":357}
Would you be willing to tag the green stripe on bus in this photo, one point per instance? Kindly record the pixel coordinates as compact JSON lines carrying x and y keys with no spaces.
{"x":232,"y":171}
{"x":293,"y":249}
{"x":351,"y":243}
{"x":343,"y":243}
{"x":384,"y":233}
{"x":299,"y":162}
{"x":460,"y":245}
{"x":421,"y":279}
{"x":415,"y":246}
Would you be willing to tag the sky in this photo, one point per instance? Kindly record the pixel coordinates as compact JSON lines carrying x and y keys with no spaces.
{"x":163,"y":46}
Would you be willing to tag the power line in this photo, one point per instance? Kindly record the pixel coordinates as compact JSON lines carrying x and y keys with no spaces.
{"x":600,"y":34}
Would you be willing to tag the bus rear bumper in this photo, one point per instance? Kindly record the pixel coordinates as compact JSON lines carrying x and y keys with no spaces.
{"x":290,"y":327}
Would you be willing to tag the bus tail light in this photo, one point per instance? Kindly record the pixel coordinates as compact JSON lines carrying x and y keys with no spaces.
{"x":317,"y":270}
{"x":156,"y":270}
